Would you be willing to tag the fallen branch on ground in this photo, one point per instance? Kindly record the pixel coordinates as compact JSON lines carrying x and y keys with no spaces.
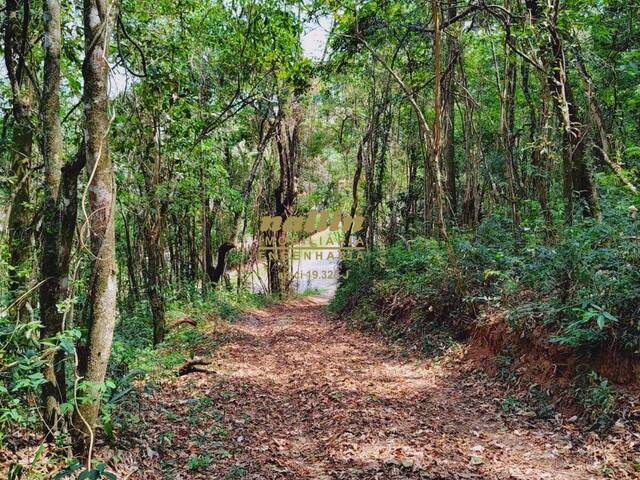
{"x":193,"y":365}
{"x":187,"y":320}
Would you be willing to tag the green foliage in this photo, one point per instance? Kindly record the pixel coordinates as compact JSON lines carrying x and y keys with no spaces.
{"x":511,"y":404}
{"x":236,"y":471}
{"x":22,"y":356}
{"x":198,"y":462}
{"x":98,"y":471}
{"x":585,"y":287}
{"x":382,"y":289}
{"x":599,"y":397}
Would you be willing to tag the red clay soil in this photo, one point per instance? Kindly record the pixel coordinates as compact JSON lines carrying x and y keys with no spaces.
{"x":294,"y":395}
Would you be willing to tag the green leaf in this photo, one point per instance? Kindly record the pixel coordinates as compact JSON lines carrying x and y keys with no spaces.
{"x":89,"y":475}
{"x":67,"y":345}
{"x":15,"y":471}
{"x":67,"y":471}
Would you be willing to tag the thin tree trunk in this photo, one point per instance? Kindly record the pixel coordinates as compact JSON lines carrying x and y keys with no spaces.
{"x":576,"y":173}
{"x":152,"y":229}
{"x":411,"y":187}
{"x":539,"y":137}
{"x":354,"y":188}
{"x":16,"y":37}
{"x":98,"y":16}
{"x":287,"y":143}
{"x":193,"y":251}
{"x":206,"y":232}
{"x":53,"y":273}
{"x":134,"y":290}
{"x":596,"y":114}
{"x":507,"y":125}
{"x":230,"y":244}
{"x":431,"y":162}
{"x":451,"y":59}
{"x":155,"y":279}
{"x":471,"y":205}
{"x":437,"y":124}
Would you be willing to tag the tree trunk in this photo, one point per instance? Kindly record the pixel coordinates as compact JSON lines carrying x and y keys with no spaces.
{"x":193,"y":250}
{"x":52,"y":271}
{"x":374,"y":153}
{"x":412,"y":170}
{"x":507,"y":125}
{"x":581,"y":178}
{"x":436,"y":143}
{"x":539,"y":137}
{"x":431,"y":162}
{"x":155,"y":280}
{"x":206,"y":233}
{"x":16,"y":37}
{"x":134,"y":290}
{"x":152,"y":172}
{"x":577,"y":176}
{"x":101,"y":303}
{"x":471,"y":205}
{"x":264,"y":136}
{"x":287,"y":143}
{"x":221,"y":262}
{"x":603,"y":144}
{"x":451,"y":59}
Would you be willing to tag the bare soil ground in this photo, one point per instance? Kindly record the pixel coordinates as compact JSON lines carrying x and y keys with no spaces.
{"x":294,"y":395}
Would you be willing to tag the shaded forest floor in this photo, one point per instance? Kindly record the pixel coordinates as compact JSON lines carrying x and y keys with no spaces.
{"x":294,"y":395}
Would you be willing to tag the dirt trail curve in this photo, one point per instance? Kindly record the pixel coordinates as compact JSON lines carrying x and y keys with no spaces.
{"x":298,"y":396}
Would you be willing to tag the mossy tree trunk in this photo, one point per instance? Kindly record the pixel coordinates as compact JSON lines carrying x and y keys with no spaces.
{"x":472,"y":201}
{"x":101,"y":304}
{"x":577,"y":178}
{"x":16,"y":46}
{"x":287,"y":147}
{"x":153,"y":174}
{"x":53,"y":287}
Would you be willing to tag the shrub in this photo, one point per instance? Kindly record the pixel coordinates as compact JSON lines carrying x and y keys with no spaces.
{"x":584,"y":288}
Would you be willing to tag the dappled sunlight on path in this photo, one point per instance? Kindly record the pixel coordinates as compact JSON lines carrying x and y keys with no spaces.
{"x":294,"y":395}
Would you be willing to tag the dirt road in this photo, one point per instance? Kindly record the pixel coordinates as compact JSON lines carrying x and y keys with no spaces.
{"x":295,"y":395}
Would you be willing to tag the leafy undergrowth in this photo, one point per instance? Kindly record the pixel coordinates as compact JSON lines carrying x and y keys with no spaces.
{"x":132,"y":349}
{"x":135,"y":367}
{"x":571,"y":303}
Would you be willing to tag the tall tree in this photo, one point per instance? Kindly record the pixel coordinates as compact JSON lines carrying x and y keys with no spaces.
{"x":98,"y":17}
{"x":153,"y":221}
{"x":287,"y":147}
{"x":17,"y":37}
{"x":472,"y":202}
{"x":539,"y":117}
{"x":51,"y":290}
{"x":577,"y":178}
{"x":436,"y":142}
{"x":507,"y":123}
{"x":452,"y":51}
